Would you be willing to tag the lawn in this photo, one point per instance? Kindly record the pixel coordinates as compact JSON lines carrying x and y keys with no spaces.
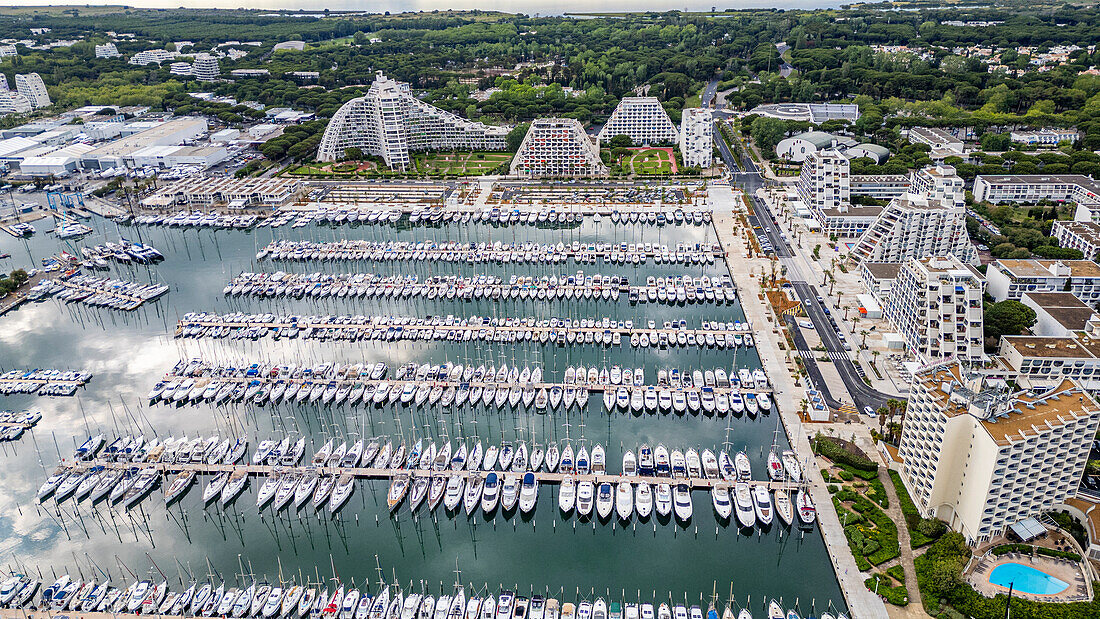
{"x":650,"y":161}
{"x":461,"y":163}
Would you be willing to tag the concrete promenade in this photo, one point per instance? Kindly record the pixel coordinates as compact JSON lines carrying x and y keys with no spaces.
{"x":862,"y":603}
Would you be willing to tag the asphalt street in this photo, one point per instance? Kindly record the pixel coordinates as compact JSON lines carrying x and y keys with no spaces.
{"x":747,"y":175}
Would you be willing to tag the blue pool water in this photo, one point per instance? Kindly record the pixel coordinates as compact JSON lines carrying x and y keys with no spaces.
{"x":1026,"y":579}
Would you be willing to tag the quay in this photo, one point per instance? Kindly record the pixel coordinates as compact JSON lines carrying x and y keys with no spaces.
{"x":695,"y":483}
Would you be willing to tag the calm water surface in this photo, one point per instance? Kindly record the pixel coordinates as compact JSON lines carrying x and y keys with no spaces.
{"x":129,"y":351}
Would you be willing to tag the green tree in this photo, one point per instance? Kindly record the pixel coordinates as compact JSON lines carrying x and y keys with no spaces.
{"x":516,"y":135}
{"x":353,"y":153}
{"x":767,"y":132}
{"x":1007,"y":317}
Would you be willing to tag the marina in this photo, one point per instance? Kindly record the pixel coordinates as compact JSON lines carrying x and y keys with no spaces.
{"x":13,"y":424}
{"x":129,"y":352}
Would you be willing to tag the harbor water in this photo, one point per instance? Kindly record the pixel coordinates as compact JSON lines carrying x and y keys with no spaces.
{"x":648,"y":560}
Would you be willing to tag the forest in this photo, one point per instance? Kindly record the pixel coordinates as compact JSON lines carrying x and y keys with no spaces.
{"x":581,"y":67}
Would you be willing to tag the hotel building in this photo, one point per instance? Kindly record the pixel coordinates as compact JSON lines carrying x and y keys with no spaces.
{"x":982,"y":459}
{"x":936,"y":305}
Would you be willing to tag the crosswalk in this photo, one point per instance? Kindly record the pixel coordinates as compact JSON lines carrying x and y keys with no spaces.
{"x":812,"y":354}
{"x":849,"y":409}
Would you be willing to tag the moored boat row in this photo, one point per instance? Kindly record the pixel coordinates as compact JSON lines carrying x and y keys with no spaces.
{"x":288,"y":600}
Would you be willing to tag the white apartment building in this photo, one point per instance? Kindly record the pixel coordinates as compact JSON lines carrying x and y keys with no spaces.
{"x":152,"y":56}
{"x":3,"y":83}
{"x":824,"y":186}
{"x":8,"y":50}
{"x":641,"y":118}
{"x":915,"y":226}
{"x":107,"y":50}
{"x":1031,"y":188}
{"x":1043,"y":137}
{"x":557,"y":147}
{"x":983,"y":459}
{"x":825,"y":180}
{"x":939,"y":183}
{"x":389,"y":122}
{"x":1010,"y":279}
{"x":697,"y":137}
{"x":181,"y":68}
{"x":206,"y":69}
{"x":936,"y":305}
{"x":1080,"y":235}
{"x":31,"y":86}
{"x":13,"y":103}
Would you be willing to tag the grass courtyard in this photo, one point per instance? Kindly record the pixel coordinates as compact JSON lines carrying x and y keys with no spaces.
{"x":649,"y":161}
{"x":461,"y":163}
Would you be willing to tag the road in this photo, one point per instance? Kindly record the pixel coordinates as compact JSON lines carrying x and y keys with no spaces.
{"x":748,"y":177}
{"x":709,"y":92}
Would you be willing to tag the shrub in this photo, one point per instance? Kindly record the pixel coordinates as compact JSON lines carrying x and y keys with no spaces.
{"x":897,"y":573}
{"x":846,"y":476}
{"x":831,"y":449}
{"x":867,"y":475}
{"x":897,"y":596}
{"x":833,"y":489}
{"x":922,"y":531}
{"x":878,"y":493}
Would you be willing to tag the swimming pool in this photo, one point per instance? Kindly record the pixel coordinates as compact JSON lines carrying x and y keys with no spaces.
{"x":1026,"y":579}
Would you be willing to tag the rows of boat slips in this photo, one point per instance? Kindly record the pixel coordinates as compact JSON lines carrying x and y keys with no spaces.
{"x":422,"y":472}
{"x":423,"y":216}
{"x":42,"y":382}
{"x":287,"y":600}
{"x":391,"y":328}
{"x":97,"y":292}
{"x":676,"y":289}
{"x":447,"y":384}
{"x":495,"y":251}
{"x":47,"y":374}
{"x":71,"y":229}
{"x":13,"y":424}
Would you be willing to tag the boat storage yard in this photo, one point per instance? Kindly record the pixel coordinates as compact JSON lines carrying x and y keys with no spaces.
{"x":547,"y":396}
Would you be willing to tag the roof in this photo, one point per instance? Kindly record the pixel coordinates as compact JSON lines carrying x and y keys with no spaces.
{"x":1027,"y":529}
{"x":883,"y":270}
{"x":1045,"y":268}
{"x":1066,"y":309}
{"x":881,"y":151}
{"x":1040,"y":179}
{"x":1054,"y":347}
{"x":819,"y":139}
{"x":853,"y":211}
{"x":1010,"y":417}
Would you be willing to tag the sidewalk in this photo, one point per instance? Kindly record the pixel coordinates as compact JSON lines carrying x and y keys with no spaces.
{"x":861,"y":602}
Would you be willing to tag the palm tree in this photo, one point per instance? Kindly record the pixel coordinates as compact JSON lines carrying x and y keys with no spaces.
{"x":864,"y":333}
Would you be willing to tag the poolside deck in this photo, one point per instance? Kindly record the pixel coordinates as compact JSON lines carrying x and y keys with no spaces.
{"x":1079,"y":589}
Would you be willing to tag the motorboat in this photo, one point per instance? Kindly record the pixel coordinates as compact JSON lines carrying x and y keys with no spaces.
{"x":743,"y":501}
{"x":624,"y":499}
{"x":681,"y":497}
{"x":720,"y":497}
{"x":762,"y":503}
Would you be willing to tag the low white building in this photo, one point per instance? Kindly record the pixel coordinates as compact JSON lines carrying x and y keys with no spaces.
{"x":1058,"y":314}
{"x":152,"y":56}
{"x":982,"y":459}
{"x":938,"y":139}
{"x":1031,"y":188}
{"x":107,"y":50}
{"x":798,"y":147}
{"x":697,"y":137}
{"x":1010,"y":279}
{"x":1043,"y":137}
{"x":1080,"y":235}
{"x":13,"y":103}
{"x":206,"y":68}
{"x":936,"y":304}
